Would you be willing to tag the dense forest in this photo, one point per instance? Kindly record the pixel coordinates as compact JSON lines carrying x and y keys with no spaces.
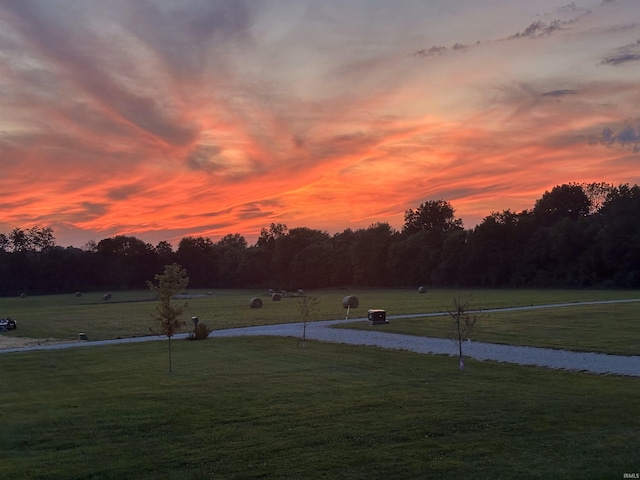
{"x":576,"y":235}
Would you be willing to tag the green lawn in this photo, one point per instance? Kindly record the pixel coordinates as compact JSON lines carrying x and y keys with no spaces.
{"x":608,"y":328}
{"x":239,"y":408}
{"x":128,"y":313}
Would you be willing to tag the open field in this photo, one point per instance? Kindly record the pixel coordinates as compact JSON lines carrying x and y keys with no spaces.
{"x":262,"y":408}
{"x":128,"y":313}
{"x":604,"y":328}
{"x":607,"y":328}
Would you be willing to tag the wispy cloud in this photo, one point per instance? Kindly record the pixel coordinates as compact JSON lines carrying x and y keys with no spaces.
{"x":626,"y":135}
{"x":160,"y":119}
{"x":624,"y":54}
{"x":438,"y":50}
{"x":539,"y":28}
{"x":559,"y":93}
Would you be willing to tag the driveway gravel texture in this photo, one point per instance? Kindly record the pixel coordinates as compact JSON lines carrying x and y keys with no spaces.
{"x":598,"y":363}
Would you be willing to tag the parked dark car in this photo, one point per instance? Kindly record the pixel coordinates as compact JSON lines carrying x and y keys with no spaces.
{"x":7,"y":324}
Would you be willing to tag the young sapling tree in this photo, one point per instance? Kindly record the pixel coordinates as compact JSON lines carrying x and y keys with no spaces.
{"x":463,"y":323}
{"x":308,"y":306}
{"x":168,"y":314}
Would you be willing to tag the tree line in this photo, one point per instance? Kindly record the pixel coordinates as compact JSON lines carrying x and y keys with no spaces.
{"x":576,"y":235}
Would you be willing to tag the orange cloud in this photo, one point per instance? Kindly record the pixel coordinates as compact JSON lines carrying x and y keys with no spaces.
{"x":162,"y":121}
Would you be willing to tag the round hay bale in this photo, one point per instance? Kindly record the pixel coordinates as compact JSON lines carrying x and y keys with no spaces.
{"x":276,"y":297}
{"x":78,"y":294}
{"x":350,"y":301}
{"x":106,"y":297}
{"x":23,"y":295}
{"x":255,"y":302}
{"x":422,"y":289}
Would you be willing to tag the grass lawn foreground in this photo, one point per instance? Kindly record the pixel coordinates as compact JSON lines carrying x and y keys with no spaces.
{"x":240,"y":408}
{"x":262,"y":408}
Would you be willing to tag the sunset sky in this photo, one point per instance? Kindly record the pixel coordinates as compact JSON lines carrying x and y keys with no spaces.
{"x":162,"y":119}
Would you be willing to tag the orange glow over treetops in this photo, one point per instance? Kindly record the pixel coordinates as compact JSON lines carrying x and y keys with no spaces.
{"x":146,"y":122}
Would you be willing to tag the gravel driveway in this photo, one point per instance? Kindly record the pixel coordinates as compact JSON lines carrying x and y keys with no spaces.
{"x":543,"y":357}
{"x":322,"y":331}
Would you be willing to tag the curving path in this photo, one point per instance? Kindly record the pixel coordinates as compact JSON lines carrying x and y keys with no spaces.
{"x":544,"y":357}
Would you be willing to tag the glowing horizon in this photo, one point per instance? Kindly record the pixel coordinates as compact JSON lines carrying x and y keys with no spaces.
{"x":161,"y":120}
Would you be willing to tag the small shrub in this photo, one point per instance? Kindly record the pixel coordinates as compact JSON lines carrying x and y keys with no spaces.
{"x":200,"y":332}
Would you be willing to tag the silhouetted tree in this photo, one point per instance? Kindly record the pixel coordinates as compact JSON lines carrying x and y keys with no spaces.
{"x":230,"y":250}
{"x":493,"y":249}
{"x":310,"y":266}
{"x":431,"y":215}
{"x":126,"y":261}
{"x":619,"y":234}
{"x":198,"y":256}
{"x":370,"y":254}
{"x":564,"y":201}
{"x":409,"y":261}
{"x":597,"y":194}
{"x":339,"y":262}
{"x":297,"y":258}
{"x":453,"y":260}
{"x":19,"y":240}
{"x":575,"y":235}
{"x":4,"y":242}
{"x":40,"y":239}
{"x":255,"y":268}
{"x":267,"y":238}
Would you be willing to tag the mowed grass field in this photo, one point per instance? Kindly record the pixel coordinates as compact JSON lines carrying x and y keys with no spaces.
{"x":241,"y":408}
{"x":609,"y":328}
{"x":244,"y":408}
{"x":612,"y":328}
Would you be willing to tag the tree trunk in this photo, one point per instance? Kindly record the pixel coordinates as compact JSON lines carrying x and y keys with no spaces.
{"x":304,"y":335}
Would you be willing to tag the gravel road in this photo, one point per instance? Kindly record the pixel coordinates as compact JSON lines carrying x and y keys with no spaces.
{"x":544,"y":357}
